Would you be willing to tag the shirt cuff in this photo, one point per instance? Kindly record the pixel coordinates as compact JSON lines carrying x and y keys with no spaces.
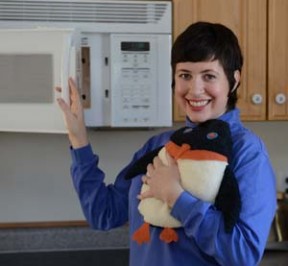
{"x":82,"y":155}
{"x":183,"y":206}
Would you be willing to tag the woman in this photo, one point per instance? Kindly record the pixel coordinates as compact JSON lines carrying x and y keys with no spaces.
{"x":206,"y":64}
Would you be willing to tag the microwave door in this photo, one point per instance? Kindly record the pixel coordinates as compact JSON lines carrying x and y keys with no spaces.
{"x":32,"y":63}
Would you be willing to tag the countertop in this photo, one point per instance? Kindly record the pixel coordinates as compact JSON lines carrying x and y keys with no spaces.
{"x":61,"y":239}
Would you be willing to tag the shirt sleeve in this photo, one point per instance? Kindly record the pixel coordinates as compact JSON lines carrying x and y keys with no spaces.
{"x":204,"y":223}
{"x":104,"y":206}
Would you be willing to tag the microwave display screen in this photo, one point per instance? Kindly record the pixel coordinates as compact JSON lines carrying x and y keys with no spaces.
{"x":135,"y":46}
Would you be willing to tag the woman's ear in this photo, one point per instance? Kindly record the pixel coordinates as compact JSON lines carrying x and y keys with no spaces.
{"x":237,"y":77}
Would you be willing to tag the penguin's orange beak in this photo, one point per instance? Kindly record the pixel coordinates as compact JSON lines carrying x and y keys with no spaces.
{"x":184,"y":152}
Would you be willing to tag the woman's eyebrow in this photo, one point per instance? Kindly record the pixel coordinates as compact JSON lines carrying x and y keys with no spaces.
{"x":209,"y":71}
{"x":183,"y":70}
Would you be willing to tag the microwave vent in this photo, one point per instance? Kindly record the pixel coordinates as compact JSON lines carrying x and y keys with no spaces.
{"x":141,"y":12}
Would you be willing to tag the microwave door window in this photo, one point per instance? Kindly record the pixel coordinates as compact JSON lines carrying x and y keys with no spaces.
{"x":16,"y":87}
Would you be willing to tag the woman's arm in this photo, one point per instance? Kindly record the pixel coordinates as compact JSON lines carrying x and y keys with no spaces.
{"x":104,"y":206}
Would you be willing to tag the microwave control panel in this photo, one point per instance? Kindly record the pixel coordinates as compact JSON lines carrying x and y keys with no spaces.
{"x":134,"y":84}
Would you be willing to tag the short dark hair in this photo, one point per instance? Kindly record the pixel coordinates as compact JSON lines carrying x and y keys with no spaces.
{"x":205,"y":41}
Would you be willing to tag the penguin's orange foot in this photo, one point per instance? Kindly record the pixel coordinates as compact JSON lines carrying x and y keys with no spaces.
{"x":142,"y":235}
{"x":168,"y":235}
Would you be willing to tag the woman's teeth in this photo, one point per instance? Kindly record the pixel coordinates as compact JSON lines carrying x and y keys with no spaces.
{"x":198,"y":103}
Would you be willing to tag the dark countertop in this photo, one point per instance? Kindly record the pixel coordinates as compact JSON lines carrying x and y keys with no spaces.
{"x":277,"y":246}
{"x":61,"y":239}
{"x":72,"y":245}
{"x":76,"y":238}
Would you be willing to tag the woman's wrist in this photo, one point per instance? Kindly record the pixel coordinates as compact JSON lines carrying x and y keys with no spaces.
{"x":77,"y":143}
{"x":174,"y":196}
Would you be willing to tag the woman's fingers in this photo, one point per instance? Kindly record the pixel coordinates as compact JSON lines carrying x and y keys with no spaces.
{"x":63,"y":105}
{"x":76,"y":104}
{"x":157,"y":162}
{"x":144,"y":195}
{"x":150,"y":169}
{"x":170,"y":159}
{"x":74,"y":93}
{"x":73,"y":116}
{"x":145,"y":179}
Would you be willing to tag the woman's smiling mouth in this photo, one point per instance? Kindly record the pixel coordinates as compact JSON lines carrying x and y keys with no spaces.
{"x":198,"y":103}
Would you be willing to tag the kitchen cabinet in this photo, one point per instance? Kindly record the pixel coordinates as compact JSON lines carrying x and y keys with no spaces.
{"x":277,"y":60}
{"x":260,"y":28}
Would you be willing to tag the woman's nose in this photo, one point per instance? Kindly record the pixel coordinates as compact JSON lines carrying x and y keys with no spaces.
{"x":195,"y":87}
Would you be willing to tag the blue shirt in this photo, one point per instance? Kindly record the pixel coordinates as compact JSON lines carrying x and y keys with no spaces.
{"x":202,"y":237}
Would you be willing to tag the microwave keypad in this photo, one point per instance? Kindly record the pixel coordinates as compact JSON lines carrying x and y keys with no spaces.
{"x":136,"y":86}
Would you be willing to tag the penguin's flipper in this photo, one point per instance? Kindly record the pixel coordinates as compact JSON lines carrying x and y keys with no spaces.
{"x":140,"y":166}
{"x":228,"y":200}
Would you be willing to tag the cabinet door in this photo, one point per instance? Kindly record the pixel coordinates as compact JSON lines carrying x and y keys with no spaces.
{"x":247,"y":18}
{"x":278,"y":60}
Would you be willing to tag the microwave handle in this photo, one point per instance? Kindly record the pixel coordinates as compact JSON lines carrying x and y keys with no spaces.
{"x":67,"y":66}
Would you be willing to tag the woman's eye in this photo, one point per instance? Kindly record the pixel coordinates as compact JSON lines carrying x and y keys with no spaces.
{"x":209,"y":77}
{"x":185,"y":76}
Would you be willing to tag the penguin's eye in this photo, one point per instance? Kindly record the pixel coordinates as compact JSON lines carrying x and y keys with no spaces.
{"x":212,"y":135}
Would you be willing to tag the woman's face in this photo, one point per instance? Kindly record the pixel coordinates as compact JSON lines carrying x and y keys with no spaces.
{"x":201,"y":89}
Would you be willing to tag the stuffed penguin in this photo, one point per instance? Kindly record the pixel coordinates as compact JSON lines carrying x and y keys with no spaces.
{"x":203,"y":155}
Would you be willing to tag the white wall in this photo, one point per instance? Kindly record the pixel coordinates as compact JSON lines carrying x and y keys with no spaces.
{"x":35,"y":183}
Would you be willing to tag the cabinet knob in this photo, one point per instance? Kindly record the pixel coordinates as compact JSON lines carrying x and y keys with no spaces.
{"x":257,"y":98}
{"x":280,"y":98}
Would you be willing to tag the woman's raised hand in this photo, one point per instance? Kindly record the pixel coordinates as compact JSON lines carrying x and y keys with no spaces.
{"x":74,"y":116}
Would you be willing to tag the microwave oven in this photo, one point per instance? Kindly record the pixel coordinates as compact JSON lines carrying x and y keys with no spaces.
{"x":117,"y":51}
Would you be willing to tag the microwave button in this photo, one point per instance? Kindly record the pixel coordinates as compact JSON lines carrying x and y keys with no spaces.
{"x":145,"y":58}
{"x":146,"y":100}
{"x":125,"y":100}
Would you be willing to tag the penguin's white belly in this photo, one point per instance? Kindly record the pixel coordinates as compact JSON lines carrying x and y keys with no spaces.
{"x":200,"y":178}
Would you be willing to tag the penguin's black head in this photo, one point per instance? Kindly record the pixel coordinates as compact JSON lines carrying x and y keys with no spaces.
{"x":213,"y":135}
